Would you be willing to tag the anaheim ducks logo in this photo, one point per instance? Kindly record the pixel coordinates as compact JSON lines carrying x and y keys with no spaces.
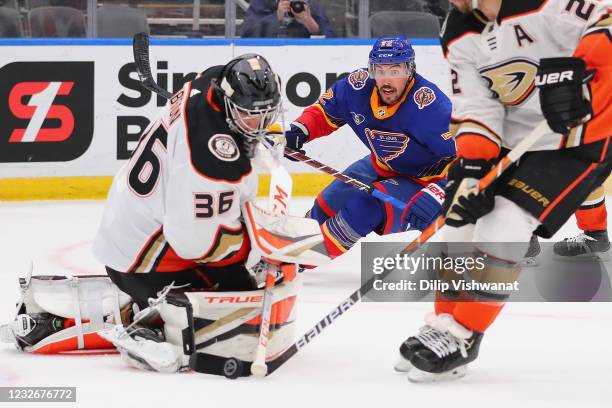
{"x":358,"y":79}
{"x":512,"y":81}
{"x":424,"y":96}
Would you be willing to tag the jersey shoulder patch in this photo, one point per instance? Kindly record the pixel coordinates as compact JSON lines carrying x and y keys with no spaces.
{"x":424,"y":96}
{"x":358,"y":79}
{"x":215,"y":152}
{"x":224,"y":147}
{"x":457,"y":25}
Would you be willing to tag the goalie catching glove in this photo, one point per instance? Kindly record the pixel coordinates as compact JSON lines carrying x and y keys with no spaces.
{"x":464,"y":204}
{"x":564,"y":94}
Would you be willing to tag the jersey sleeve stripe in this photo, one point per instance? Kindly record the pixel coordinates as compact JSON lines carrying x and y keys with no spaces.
{"x":471,"y":126}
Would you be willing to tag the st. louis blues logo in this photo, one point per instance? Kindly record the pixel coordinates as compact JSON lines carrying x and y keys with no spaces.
{"x":386,"y":145}
{"x":358,"y":79}
{"x":424,"y":96}
{"x":358,"y":118}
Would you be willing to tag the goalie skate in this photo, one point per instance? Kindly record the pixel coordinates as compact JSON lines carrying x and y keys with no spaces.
{"x":144,"y":348}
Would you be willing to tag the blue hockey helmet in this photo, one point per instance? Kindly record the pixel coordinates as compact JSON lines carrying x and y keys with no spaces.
{"x":392,"y":50}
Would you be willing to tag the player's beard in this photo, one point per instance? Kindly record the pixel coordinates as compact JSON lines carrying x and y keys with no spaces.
{"x":389,"y":98}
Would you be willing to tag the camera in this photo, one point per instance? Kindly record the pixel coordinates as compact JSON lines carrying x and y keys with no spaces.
{"x":297,"y":6}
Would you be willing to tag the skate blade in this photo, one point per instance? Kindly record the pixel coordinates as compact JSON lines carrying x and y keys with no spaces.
{"x":402,"y":365}
{"x":419,"y":376}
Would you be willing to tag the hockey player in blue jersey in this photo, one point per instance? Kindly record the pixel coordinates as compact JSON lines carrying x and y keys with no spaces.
{"x":403,"y":119}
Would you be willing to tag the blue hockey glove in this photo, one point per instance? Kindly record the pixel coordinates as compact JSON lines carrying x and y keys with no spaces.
{"x":424,"y":207}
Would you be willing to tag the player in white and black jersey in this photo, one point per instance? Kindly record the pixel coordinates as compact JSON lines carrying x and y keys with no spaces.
{"x":173,"y":211}
{"x":515,"y":64}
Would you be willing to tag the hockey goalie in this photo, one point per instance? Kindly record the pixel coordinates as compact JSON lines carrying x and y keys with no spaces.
{"x":191,"y":261}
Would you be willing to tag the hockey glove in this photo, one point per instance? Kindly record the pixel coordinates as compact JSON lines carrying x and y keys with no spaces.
{"x":424,"y":207}
{"x":296,"y":136}
{"x":463,"y":203}
{"x":564,"y":94}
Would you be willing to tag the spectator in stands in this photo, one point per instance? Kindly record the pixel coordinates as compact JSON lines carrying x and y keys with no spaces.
{"x":286,"y":18}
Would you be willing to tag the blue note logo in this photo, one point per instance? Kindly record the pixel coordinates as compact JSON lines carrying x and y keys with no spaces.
{"x":386,"y":145}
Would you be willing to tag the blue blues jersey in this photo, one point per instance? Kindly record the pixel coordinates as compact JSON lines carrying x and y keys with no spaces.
{"x":410,"y":137}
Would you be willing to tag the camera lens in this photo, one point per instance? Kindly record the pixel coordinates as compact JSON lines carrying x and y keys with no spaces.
{"x":297,"y":6}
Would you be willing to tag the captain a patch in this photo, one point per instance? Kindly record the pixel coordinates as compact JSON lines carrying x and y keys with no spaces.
{"x":224,"y":147}
{"x":424,"y":96}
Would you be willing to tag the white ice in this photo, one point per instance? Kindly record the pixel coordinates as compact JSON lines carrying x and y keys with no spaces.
{"x":535,"y":354}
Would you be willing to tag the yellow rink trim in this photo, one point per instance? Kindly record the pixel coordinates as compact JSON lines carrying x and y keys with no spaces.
{"x":96,"y":187}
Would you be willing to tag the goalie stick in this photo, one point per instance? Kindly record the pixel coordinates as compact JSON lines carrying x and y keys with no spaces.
{"x":140,"y":47}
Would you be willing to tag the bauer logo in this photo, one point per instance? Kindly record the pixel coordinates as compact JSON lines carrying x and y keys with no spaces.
{"x":47,"y":111}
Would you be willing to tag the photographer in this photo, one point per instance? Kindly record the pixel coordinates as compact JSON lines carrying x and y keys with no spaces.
{"x":286,"y":18}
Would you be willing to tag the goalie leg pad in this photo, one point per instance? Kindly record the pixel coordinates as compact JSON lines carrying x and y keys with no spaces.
{"x":63,"y":314}
{"x":226,"y":325}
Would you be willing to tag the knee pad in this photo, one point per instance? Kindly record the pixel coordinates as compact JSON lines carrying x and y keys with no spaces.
{"x":61,"y":314}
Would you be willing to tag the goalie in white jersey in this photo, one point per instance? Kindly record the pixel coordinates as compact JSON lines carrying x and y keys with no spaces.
{"x":179,"y":212}
{"x":513,"y":65}
{"x":173,"y":211}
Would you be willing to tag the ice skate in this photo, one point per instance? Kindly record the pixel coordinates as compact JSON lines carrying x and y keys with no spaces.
{"x":440,"y":352}
{"x":586,"y":246}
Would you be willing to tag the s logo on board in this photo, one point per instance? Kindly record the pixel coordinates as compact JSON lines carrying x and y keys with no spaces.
{"x":47,"y":110}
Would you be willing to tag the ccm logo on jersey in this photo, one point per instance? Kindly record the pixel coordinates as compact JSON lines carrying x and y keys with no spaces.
{"x":424,"y":96}
{"x":224,"y":147}
{"x":46,"y":110}
{"x":554,"y":78}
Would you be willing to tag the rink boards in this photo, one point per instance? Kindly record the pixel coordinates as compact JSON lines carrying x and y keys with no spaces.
{"x":74,"y":108}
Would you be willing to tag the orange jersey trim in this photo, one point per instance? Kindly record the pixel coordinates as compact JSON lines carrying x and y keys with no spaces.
{"x":377,"y":106}
{"x":595,"y":49}
{"x":475,"y":146}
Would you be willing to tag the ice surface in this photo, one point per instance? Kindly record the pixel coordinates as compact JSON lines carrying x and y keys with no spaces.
{"x":541,"y":355}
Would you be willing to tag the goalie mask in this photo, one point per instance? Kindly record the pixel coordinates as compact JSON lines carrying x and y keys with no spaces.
{"x":251,"y":94}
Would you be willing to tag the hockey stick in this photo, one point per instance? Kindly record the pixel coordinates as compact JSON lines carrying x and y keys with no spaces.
{"x":143,"y":68}
{"x":140,"y":47}
{"x":281,"y":186}
{"x":427,"y":233}
{"x":301,"y":157}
